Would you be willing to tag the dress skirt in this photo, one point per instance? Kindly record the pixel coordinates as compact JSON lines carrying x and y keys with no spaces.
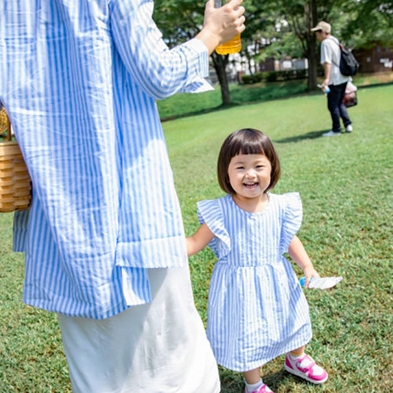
{"x":158,"y":347}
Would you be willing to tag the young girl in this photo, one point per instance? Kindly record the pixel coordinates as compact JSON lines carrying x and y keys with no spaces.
{"x":257,"y":309}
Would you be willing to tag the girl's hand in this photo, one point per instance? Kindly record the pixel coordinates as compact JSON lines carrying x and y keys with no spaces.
{"x":309,"y":273}
{"x":299,"y":255}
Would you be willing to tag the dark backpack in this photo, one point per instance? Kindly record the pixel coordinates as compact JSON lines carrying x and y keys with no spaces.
{"x":348,"y":64}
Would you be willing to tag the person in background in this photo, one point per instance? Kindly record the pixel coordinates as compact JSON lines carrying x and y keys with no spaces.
{"x":103,"y":238}
{"x":256,"y":308}
{"x":333,"y":79}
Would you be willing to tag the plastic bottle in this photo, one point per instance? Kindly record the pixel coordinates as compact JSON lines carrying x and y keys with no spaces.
{"x":232,"y":46}
{"x":326,"y":89}
{"x":320,"y":283}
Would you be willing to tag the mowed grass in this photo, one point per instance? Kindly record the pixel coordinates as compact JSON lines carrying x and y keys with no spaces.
{"x":346,"y":188}
{"x":181,"y":105}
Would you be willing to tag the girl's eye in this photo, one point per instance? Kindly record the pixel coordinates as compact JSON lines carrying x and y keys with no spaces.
{"x":240,"y":167}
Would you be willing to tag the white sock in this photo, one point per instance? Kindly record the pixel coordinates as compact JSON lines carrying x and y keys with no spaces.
{"x":293,"y":357}
{"x":254,"y":386}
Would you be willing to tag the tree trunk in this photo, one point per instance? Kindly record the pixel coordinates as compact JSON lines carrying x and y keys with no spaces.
{"x":312,"y":64}
{"x":312,"y":11}
{"x":219,"y":64}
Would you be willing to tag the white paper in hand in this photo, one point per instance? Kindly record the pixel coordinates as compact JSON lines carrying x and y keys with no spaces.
{"x":324,"y":282}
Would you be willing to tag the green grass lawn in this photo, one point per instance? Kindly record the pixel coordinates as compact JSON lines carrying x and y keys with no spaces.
{"x":346,"y":184}
{"x":181,"y":105}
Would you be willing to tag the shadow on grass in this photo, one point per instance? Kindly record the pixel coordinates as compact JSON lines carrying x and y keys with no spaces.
{"x":261,"y":95}
{"x":298,"y":138}
{"x":253,"y":95}
{"x":233,"y":382}
{"x":200,"y":112}
{"x":234,"y":105}
{"x":372,"y":85}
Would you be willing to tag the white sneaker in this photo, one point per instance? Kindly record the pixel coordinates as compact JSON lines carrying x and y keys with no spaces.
{"x":349,"y":128}
{"x":332,"y":133}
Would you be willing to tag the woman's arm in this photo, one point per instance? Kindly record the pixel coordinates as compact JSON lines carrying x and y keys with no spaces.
{"x":298,"y":253}
{"x":158,"y":70}
{"x":199,"y":240}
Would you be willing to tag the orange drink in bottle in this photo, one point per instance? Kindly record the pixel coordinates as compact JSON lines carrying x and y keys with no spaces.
{"x":232,"y":46}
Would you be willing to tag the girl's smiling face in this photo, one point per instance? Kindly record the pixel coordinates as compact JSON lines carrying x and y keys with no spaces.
{"x":249,"y":175}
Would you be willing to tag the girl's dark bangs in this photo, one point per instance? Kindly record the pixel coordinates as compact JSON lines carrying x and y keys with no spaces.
{"x":251,"y":147}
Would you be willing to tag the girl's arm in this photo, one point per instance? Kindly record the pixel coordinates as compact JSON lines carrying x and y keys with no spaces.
{"x":199,"y":240}
{"x":298,"y":253}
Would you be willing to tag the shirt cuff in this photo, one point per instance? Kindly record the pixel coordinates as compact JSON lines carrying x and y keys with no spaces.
{"x":201,"y":67}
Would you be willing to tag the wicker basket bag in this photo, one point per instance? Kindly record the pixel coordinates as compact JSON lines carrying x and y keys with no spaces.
{"x":15,"y":182}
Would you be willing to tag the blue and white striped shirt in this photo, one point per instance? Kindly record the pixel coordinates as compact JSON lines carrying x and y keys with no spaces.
{"x":79,"y":81}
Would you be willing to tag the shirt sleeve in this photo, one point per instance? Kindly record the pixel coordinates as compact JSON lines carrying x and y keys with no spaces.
{"x":326,"y":53}
{"x":292,"y":219}
{"x":160,"y":71}
{"x":210,"y":212}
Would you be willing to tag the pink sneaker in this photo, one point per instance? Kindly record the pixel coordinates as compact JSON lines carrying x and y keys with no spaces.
{"x":263,"y":389}
{"x":306,"y":368}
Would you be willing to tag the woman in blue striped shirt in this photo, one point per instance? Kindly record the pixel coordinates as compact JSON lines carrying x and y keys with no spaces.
{"x":104,"y":238}
{"x":257,"y":309}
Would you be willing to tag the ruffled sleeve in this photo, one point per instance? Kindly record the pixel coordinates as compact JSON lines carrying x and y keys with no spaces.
{"x":292,"y":219}
{"x":211,"y":213}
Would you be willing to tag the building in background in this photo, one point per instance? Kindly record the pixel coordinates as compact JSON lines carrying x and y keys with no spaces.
{"x":378,"y":58}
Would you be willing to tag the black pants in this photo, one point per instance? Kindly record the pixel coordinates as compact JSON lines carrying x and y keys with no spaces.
{"x":336,"y":107}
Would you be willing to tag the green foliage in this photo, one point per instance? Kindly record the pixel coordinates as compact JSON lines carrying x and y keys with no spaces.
{"x":254,"y":78}
{"x":346,"y":188}
{"x":179,"y":21}
{"x":282,"y":28}
{"x":368,"y":22}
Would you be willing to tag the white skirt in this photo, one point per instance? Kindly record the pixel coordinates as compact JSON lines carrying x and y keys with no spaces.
{"x":159,"y":347}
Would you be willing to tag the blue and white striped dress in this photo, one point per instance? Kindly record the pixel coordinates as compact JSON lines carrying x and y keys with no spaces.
{"x":257,"y":309}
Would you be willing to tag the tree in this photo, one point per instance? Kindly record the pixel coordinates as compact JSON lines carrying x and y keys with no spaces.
{"x":181,"y":20}
{"x":358,"y":23}
{"x":282,"y":27}
{"x":300,"y":16}
{"x":370,"y":21}
{"x":220,"y":65}
{"x":260,"y":21}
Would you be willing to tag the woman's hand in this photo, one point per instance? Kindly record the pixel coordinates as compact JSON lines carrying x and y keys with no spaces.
{"x":221,"y":24}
